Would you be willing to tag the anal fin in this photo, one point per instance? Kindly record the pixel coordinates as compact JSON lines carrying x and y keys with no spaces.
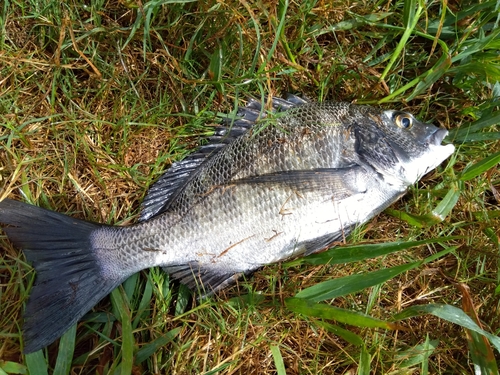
{"x":205,"y":280}
{"x":327,"y":241}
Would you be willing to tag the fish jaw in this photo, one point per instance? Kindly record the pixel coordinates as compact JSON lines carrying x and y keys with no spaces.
{"x":435,"y":155}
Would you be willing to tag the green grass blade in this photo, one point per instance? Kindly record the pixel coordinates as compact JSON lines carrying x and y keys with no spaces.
{"x":137,"y":24}
{"x":129,"y":286}
{"x":353,"y":283}
{"x":144,"y":304}
{"x":431,"y":76}
{"x":347,"y":335}
{"x":321,"y":310}
{"x":356,"y":253}
{"x":364,"y":362}
{"x":283,"y":7}
{"x":404,"y":39}
{"x":36,"y":363}
{"x":476,"y":45}
{"x":444,"y":207}
{"x":474,"y":170}
{"x":183,"y":298}
{"x":426,"y":79}
{"x":451,"y":314}
{"x":480,"y":350}
{"x":215,"y":69}
{"x":120,"y":303}
{"x":436,"y":216}
{"x":479,"y":137}
{"x":149,"y":349}
{"x":419,"y":354}
{"x":493,"y":236}
{"x":481,"y":354}
{"x":471,"y":133}
{"x":8,"y":367}
{"x":358,"y":21}
{"x":92,"y":145}
{"x":278,"y":360}
{"x":65,"y":353}
{"x":409,"y":9}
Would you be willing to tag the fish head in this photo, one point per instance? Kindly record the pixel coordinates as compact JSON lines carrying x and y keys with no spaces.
{"x":398,"y":146}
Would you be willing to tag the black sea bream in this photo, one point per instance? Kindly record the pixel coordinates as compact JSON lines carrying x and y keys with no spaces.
{"x":261,"y":191}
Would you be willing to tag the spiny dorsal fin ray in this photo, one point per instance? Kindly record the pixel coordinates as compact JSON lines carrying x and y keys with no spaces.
{"x":162,"y":192}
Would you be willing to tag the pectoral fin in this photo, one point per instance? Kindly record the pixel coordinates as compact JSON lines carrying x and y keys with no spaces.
{"x":340,"y":182}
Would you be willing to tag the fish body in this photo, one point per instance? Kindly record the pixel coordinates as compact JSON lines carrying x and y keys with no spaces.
{"x":259,"y":192}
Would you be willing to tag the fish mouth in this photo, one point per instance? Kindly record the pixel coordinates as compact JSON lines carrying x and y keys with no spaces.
{"x":437,"y":137}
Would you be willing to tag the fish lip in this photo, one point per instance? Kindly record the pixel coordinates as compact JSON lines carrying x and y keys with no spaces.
{"x":437,"y":137}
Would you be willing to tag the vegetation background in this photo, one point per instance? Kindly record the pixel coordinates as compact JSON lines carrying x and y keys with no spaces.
{"x":97,"y":98}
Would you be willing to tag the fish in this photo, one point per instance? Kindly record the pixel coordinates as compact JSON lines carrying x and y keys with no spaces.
{"x":268,"y":186}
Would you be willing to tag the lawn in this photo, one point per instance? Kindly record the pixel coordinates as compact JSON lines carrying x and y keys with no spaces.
{"x":98,"y":98}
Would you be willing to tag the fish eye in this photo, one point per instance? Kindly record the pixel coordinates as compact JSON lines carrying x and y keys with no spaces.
{"x":404,"y":120}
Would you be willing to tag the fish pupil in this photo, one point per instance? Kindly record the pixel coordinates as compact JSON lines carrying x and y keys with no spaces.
{"x":405,"y":122}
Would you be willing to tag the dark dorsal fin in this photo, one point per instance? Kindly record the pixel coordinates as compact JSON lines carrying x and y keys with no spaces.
{"x":162,"y":192}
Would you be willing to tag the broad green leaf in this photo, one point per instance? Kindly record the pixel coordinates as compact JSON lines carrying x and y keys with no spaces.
{"x":352,"y":283}
{"x":322,"y":310}
{"x":449,"y":313}
{"x":480,"y":167}
{"x":66,"y":351}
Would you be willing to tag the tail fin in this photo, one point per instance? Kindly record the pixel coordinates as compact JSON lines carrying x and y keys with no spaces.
{"x":68,"y":281}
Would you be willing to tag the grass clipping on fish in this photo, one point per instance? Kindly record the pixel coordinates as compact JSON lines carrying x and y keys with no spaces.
{"x":97,"y":101}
